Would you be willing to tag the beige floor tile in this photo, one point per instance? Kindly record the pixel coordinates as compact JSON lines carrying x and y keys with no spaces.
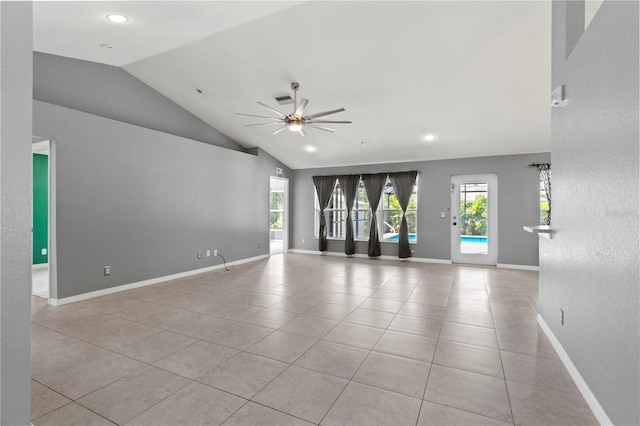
{"x":118,"y":337}
{"x":239,"y":335}
{"x":330,"y":311}
{"x":309,"y":326}
{"x":534,"y":405}
{"x":109,"y":304}
{"x":407,"y":345}
{"x":333,"y":358}
{"x":196,"y":359}
{"x":468,"y":357}
{"x":370,"y":318}
{"x":479,"y":319}
{"x":63,"y":358}
{"x":155,"y":347}
{"x":271,"y":318}
{"x":350,"y":300}
{"x":282,"y":346}
{"x":422,"y":311}
{"x":188,"y":323}
{"x":472,"y":304}
{"x":72,"y":415}
{"x":469,"y":334}
{"x":432,"y":414}
{"x":390,"y":372}
{"x":302,"y":393}
{"x":384,"y":305}
{"x":413,"y":325}
{"x":195,"y":404}
{"x":128,"y":397}
{"x":235,"y":311}
{"x":45,"y":400}
{"x":544,"y":372}
{"x":354,"y":335}
{"x":94,"y":327}
{"x":358,"y":291}
{"x":252,"y":414}
{"x":95,"y":373}
{"x":389,"y":294}
{"x":533,"y":343}
{"x":244,"y":374}
{"x":468,"y":391}
{"x":365,"y":405}
{"x":44,"y":339}
{"x":428,"y":299}
{"x":59,"y":317}
{"x":141,"y":312}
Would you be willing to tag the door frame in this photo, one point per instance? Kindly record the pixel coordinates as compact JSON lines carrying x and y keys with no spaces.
{"x":491,"y":257}
{"x":285,"y":228}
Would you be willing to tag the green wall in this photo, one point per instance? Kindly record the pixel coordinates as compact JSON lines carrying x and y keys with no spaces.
{"x":40,"y":208}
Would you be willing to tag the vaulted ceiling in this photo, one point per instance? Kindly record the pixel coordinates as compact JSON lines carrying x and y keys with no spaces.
{"x":474,"y":74}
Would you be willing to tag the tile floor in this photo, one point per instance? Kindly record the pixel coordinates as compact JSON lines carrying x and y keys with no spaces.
{"x":301,"y":339}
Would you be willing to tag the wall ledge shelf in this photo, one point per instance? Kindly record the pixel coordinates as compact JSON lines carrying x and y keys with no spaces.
{"x":543,"y":231}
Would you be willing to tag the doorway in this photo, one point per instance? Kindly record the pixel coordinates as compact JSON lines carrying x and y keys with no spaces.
{"x":40,"y":225}
{"x":278,"y":215}
{"x":474,"y":219}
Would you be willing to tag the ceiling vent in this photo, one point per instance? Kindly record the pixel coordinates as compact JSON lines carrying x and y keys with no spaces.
{"x":284,"y":100}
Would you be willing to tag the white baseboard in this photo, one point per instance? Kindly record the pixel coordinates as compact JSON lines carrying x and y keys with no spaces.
{"x":521,"y":267}
{"x":593,"y":403}
{"x":111,"y":290}
{"x":364,"y":256}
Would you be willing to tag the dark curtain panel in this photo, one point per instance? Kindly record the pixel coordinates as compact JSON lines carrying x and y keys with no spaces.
{"x":324,"y":189}
{"x":545,"y":177}
{"x":403,"y":186}
{"x":349,"y":185}
{"x":373,"y":185}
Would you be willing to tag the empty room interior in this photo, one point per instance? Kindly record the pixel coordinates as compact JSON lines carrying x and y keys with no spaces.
{"x":319,"y":212}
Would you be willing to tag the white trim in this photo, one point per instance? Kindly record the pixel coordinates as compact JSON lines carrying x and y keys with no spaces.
{"x":364,"y":256}
{"x":522,"y":267}
{"x":593,"y":403}
{"x":111,"y":290}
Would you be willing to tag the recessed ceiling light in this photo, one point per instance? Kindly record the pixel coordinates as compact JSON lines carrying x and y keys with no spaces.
{"x":310,"y":148}
{"x":106,"y":46}
{"x":116,"y":18}
{"x":430,"y":137}
{"x":364,"y":143}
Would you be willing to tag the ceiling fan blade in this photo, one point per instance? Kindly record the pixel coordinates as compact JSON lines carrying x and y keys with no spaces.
{"x":259,"y":116}
{"x":271,"y":109}
{"x":326,"y":129}
{"x":322,"y":114}
{"x":327,"y":121}
{"x":280,"y":129}
{"x":302,"y":132}
{"x":262,"y":124}
{"x":300,"y":110}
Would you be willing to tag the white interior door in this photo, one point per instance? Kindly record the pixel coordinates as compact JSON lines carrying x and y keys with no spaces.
{"x":278,"y":217}
{"x":474,"y":219}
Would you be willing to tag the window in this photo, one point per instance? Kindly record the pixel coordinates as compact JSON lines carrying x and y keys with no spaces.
{"x":389,"y":215}
{"x":544,"y":205}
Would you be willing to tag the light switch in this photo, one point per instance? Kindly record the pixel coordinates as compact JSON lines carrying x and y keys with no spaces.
{"x":443,"y":215}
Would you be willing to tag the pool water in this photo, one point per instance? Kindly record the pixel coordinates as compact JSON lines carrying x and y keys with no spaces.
{"x":394,"y":237}
{"x":473,"y":239}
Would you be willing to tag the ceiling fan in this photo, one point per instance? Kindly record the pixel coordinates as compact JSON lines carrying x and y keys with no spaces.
{"x":296,"y":121}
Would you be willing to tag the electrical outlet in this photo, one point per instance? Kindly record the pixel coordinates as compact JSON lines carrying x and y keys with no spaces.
{"x":561,"y":316}
{"x":208,"y":253}
{"x":259,"y":244}
{"x":303,"y":241}
{"x":443,"y":215}
{"x":215,"y":252}
{"x":107,"y":271}
{"x":199,"y":255}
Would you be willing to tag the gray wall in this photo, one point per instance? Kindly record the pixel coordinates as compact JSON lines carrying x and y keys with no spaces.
{"x":518,"y":198}
{"x":15,"y":212}
{"x":590,"y":268}
{"x":145,"y":202}
{"x":111,"y":92}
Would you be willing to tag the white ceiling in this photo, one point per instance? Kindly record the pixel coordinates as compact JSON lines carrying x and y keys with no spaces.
{"x":476,"y":74}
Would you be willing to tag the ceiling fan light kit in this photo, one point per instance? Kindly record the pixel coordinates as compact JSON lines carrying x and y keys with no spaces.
{"x":296,"y":121}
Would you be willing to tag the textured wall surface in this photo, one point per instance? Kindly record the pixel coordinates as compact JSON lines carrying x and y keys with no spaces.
{"x":145,"y":202}
{"x":590,"y":267}
{"x":111,"y":92}
{"x":518,"y":199}
{"x":15,"y":212}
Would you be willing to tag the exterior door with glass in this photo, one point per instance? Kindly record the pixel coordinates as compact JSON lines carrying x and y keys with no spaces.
{"x":474,"y":219}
